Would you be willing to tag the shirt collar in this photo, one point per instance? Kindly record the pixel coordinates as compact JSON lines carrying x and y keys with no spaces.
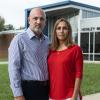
{"x":32,"y":34}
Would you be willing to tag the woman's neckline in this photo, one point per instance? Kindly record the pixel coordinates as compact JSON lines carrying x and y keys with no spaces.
{"x":64,"y":49}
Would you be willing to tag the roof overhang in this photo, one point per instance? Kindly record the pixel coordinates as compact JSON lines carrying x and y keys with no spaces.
{"x":69,"y":2}
{"x":61,"y":10}
{"x":67,"y":7}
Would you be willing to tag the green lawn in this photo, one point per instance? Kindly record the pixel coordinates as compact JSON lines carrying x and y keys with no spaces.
{"x":91,"y":79}
{"x":5,"y":91}
{"x":90,"y":83}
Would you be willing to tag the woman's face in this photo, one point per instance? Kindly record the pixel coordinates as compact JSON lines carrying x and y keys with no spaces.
{"x":62,"y":31}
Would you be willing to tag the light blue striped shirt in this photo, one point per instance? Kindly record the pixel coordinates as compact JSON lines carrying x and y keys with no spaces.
{"x":27,"y":59}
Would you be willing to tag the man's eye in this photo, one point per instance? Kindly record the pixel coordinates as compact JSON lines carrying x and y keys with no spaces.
{"x":36,"y":18}
{"x":41,"y":18}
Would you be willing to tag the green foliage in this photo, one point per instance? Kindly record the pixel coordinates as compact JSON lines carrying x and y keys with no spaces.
{"x":2,"y":22}
{"x":4,"y":27}
{"x":8,"y":27}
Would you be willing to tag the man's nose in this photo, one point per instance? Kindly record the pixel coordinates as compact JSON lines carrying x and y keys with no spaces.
{"x":38,"y":20}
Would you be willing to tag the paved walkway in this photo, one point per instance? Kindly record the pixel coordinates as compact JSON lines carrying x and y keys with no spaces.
{"x":3,"y":62}
{"x":92,"y":97}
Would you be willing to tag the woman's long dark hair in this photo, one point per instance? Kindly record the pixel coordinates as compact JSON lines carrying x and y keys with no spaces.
{"x":55,"y":41}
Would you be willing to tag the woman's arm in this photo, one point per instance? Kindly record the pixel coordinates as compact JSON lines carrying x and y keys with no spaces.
{"x":76,"y":89}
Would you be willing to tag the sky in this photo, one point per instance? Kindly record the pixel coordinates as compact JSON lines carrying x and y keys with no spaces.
{"x":13,"y":11}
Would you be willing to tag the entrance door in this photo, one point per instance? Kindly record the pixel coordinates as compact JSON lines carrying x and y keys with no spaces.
{"x":87,"y":45}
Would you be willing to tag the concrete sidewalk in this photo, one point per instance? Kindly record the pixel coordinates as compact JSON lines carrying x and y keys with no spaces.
{"x":3,"y":62}
{"x":92,"y":97}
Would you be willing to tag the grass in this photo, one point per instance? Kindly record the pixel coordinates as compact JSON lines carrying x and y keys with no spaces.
{"x":5,"y":91}
{"x":90,"y":83}
{"x":91,"y":79}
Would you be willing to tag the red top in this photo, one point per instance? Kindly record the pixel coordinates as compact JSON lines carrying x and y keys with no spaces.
{"x":64,"y":67}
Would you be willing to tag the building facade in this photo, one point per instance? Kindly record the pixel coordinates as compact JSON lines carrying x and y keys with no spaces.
{"x":5,"y":39}
{"x":85,"y":22}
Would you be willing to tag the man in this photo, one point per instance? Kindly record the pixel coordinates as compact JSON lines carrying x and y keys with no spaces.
{"x":28,"y":60}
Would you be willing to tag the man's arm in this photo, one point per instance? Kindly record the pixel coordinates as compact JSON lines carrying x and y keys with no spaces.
{"x":14,"y":67}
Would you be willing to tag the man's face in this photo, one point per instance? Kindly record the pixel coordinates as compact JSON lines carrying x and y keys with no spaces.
{"x":37,"y":21}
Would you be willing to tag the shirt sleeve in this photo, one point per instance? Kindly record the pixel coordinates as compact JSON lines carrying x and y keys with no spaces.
{"x":79,"y":63}
{"x":14,"y":67}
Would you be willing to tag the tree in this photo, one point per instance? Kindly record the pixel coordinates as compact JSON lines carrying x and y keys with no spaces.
{"x":2,"y":22}
{"x":8,"y":27}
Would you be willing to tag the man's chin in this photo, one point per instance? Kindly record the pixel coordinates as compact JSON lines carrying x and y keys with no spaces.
{"x":38,"y":31}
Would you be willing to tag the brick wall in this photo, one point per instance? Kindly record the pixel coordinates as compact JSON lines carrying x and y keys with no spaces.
{"x":5,"y":40}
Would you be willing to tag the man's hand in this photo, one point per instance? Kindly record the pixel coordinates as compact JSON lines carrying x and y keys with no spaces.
{"x":19,"y":98}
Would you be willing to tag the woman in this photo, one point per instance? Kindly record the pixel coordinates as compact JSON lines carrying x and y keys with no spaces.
{"x":65,"y":63}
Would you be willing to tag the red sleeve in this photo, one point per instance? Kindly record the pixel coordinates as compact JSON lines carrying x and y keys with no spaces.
{"x":79,"y":63}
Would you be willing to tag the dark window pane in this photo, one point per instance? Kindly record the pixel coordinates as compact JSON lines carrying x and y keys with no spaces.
{"x":85,"y":56}
{"x":97,"y":57}
{"x":97,"y":42}
{"x":85,"y":42}
{"x":91,"y":42}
